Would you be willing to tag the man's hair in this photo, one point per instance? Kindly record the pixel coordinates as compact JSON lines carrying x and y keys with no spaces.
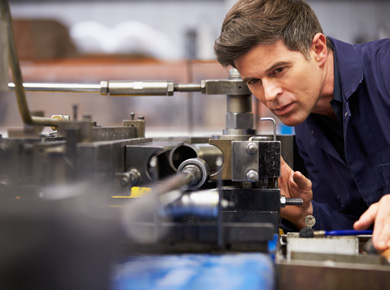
{"x":253,"y":22}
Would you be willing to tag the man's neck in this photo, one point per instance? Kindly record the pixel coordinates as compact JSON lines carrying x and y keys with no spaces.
{"x":323,"y":106}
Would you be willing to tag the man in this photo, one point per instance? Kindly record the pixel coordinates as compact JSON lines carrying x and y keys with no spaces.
{"x":338,"y":97}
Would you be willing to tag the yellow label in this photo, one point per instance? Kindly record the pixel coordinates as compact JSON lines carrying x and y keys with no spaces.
{"x":135,"y":192}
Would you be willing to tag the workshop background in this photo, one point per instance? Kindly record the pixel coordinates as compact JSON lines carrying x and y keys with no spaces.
{"x":93,"y":40}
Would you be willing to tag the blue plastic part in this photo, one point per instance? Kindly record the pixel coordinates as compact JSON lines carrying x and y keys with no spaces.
{"x":348,"y":233}
{"x":286,"y":130}
{"x":196,"y":271}
{"x":273,"y":246}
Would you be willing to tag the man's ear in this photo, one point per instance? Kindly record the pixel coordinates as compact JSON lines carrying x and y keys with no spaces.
{"x":319,"y":49}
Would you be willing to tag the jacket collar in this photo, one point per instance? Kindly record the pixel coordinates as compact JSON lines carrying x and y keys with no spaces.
{"x":349,"y":65}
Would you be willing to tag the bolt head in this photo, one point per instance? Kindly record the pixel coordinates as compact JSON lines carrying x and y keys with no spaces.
{"x":252,"y":175}
{"x":124,"y":181}
{"x":251,"y":148}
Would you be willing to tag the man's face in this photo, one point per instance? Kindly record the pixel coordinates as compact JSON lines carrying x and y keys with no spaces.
{"x":285,"y":81}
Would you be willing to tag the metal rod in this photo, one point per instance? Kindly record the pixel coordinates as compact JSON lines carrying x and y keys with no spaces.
{"x":17,"y":75}
{"x":273,"y":124}
{"x":89,"y":88}
{"x":219,"y":164}
{"x":172,"y":183}
{"x":59,"y":87}
{"x":15,"y":68}
{"x":188,"y":87}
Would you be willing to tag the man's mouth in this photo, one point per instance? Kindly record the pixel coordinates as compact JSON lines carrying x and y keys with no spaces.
{"x":283,"y":110}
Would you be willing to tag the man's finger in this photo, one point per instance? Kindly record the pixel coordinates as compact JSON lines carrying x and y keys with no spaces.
{"x":381,"y":234}
{"x":301,"y":180}
{"x":367,"y":218}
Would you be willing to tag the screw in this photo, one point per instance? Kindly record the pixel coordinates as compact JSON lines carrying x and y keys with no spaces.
{"x":252,"y":175}
{"x":251,"y":148}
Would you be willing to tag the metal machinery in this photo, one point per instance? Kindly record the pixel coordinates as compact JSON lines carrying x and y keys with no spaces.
{"x":70,"y":196}
{"x":240,"y":167}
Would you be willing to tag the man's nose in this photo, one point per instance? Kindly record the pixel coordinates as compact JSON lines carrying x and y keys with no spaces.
{"x":271,"y":90}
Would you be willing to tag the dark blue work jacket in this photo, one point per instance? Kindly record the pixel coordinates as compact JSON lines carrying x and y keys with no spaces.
{"x":343,"y":190}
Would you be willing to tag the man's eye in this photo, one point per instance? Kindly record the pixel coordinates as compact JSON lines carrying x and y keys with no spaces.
{"x":252,"y":81}
{"x":278,"y":70}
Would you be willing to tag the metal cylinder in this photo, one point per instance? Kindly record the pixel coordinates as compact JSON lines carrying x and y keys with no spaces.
{"x":239,"y":116}
{"x":188,"y":87}
{"x":137,"y":88}
{"x":239,"y":104}
{"x":207,"y":152}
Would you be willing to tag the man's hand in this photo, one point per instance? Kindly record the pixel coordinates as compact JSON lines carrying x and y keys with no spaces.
{"x":294,"y":184}
{"x":380,"y":213}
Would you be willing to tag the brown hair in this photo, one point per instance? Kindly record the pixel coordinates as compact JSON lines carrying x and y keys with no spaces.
{"x":253,"y":22}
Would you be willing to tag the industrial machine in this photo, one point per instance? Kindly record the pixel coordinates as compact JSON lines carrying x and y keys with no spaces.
{"x":82,"y":196}
{"x":234,"y":174}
